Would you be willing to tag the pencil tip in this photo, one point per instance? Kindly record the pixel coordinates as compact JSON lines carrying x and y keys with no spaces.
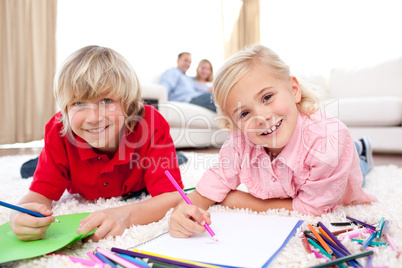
{"x":56,"y":220}
{"x":215,"y":238}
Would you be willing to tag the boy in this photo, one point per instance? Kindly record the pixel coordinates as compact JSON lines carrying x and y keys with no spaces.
{"x":103,"y":143}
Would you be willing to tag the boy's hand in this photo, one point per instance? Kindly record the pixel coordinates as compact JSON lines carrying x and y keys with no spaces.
{"x":110,"y":222}
{"x":187,"y":220}
{"x":27,"y":227}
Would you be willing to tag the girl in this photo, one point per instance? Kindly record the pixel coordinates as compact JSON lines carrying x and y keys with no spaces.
{"x":103,"y":143}
{"x":281,"y":147}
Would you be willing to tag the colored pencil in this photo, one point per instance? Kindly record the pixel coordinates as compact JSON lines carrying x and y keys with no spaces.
{"x":340,"y":252}
{"x":104,"y":259}
{"x":318,"y":255}
{"x":342,"y":231}
{"x":188,"y":202}
{"x":94,"y":258}
{"x":137,"y":261}
{"x":305,"y":243}
{"x":372,"y":243}
{"x":368,"y":241}
{"x":323,"y":251}
{"x":322,"y":242}
{"x":322,"y":231}
{"x":24,"y":210}
{"x":336,"y":241}
{"x":363,"y":223}
{"x":391,"y":243}
{"x":385,"y":228}
{"x":381,"y":226}
{"x":341,"y":223}
{"x":117,"y":259}
{"x":161,"y":258}
{"x":158,"y":264}
{"x":344,"y":259}
{"x":83,"y":261}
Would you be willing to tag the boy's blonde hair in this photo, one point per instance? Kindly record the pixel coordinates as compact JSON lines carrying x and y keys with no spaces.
{"x":92,"y":72}
{"x":242,"y":63}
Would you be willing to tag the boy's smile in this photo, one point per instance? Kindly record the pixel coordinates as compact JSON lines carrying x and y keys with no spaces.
{"x":264,"y":108}
{"x":98,"y":122}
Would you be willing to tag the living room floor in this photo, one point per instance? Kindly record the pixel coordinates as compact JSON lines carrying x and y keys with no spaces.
{"x":379,"y":159}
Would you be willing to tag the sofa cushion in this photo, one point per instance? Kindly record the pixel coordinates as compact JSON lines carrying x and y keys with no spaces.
{"x":383,"y":79}
{"x":187,"y":115}
{"x":366,"y":111}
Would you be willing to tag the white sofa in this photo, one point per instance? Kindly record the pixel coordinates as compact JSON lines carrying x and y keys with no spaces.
{"x":368,"y":101}
{"x":191,"y":126}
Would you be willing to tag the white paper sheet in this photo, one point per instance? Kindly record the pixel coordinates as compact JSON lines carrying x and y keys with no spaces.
{"x":245,"y":240}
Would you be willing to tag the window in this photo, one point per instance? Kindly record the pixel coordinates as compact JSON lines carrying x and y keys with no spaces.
{"x":150,"y":34}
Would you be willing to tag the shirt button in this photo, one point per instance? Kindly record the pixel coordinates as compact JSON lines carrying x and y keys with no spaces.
{"x":99,"y":157}
{"x":105,"y":184}
{"x":273,"y":179}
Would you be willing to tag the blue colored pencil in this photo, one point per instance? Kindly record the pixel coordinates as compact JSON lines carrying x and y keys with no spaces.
{"x":334,"y":238}
{"x":104,"y":259}
{"x":385,"y":228}
{"x":368,"y":241}
{"x":23,"y":210}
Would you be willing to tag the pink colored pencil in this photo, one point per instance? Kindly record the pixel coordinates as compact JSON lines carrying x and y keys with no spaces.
{"x":82,"y":261}
{"x":318,"y":255}
{"x":391,"y":243}
{"x":173,"y":181}
{"x":94,"y":258}
{"x":118,"y":259}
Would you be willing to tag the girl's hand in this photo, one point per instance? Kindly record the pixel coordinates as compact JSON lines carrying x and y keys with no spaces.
{"x":187,"y":220}
{"x":110,"y":222}
{"x":27,"y":227}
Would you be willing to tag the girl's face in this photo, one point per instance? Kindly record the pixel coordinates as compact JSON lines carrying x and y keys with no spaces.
{"x":99,"y":122}
{"x":264,"y":108}
{"x":204,"y":71}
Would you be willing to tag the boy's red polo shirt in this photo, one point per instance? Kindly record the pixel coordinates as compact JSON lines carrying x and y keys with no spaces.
{"x":140,"y":162}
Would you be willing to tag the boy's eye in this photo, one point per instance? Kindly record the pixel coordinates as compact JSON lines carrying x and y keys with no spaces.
{"x":243,"y":114}
{"x":106,"y":101}
{"x":79,"y":104}
{"x":266,"y":97}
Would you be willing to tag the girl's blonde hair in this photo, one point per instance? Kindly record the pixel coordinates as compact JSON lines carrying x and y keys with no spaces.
{"x":242,"y":63}
{"x":211,"y":76}
{"x":92,"y":72}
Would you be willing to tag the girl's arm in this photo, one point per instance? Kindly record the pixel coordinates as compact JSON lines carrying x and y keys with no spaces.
{"x":27,"y":227}
{"x":114,"y":221}
{"x":189,"y":219}
{"x":240,"y":199}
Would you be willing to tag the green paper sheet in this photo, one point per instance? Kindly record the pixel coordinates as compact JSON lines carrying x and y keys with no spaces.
{"x":59,"y":235}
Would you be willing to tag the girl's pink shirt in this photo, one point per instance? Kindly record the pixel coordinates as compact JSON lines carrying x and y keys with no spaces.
{"x":319,"y":168}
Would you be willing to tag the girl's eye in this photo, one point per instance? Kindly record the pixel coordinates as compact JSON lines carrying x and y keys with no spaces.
{"x":243,"y":114}
{"x":106,"y":101}
{"x":266,"y":97}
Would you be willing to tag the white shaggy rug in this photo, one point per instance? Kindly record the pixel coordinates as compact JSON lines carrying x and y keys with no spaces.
{"x":384,"y":181}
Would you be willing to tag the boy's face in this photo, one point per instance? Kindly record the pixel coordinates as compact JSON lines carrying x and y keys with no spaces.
{"x":99,"y":122}
{"x":264,"y":108}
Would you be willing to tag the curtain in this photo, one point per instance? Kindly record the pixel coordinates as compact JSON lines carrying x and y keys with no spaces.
{"x":241,"y":23}
{"x":28,"y":64}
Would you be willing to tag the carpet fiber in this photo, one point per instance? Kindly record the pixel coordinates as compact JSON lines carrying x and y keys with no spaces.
{"x":384,"y":181}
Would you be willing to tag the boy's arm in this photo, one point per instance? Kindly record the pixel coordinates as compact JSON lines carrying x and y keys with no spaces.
{"x":113,"y":221}
{"x":240,"y":199}
{"x":27,"y":227}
